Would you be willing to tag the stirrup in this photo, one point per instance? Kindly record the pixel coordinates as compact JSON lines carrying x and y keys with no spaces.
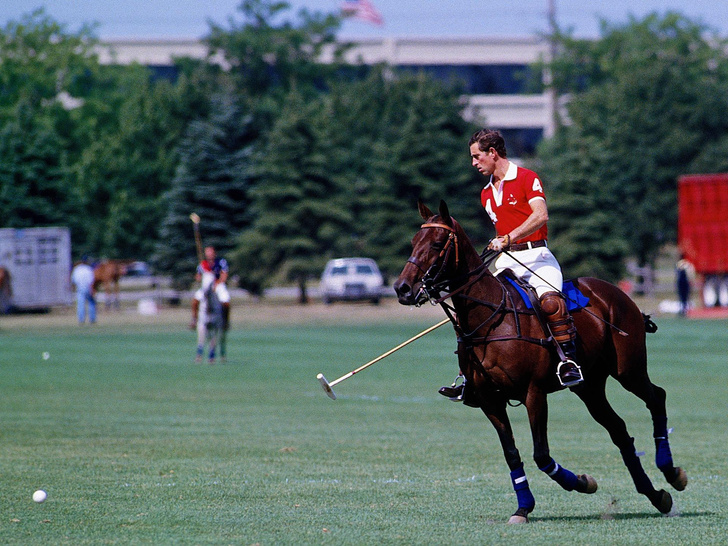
{"x":574,"y":380}
{"x":454,"y":392}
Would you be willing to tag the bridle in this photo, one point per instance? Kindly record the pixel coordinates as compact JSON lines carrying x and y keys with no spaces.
{"x":430,"y":285}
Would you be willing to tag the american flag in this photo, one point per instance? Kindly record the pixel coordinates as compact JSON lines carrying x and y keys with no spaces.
{"x":362,"y":9}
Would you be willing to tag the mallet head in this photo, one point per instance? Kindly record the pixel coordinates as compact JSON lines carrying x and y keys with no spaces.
{"x":326,"y":386}
{"x":195,"y":218}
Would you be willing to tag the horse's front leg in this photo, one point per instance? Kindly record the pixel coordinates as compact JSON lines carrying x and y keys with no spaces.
{"x":537,"y":407}
{"x":498,"y":416}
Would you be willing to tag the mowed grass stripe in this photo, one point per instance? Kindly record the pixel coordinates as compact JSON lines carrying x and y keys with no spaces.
{"x":137,"y":444}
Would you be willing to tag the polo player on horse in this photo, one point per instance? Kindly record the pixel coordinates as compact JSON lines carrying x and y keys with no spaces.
{"x":213,"y":274}
{"x":515,"y":201}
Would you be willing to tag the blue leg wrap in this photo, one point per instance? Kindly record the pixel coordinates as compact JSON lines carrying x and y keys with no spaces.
{"x":565,"y":478}
{"x":523,"y":492}
{"x":663,"y":455}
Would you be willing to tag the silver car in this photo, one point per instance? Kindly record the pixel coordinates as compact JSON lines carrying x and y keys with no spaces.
{"x":351,"y":279}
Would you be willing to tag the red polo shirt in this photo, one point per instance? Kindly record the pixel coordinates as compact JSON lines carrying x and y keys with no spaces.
{"x":510,"y":208}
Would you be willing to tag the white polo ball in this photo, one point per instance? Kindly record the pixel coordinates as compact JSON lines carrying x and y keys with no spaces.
{"x":46,"y":355}
{"x":40,"y":496}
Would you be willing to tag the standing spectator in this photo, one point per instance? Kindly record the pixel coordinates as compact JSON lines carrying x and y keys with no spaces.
{"x":684,"y":275}
{"x":82,"y":278}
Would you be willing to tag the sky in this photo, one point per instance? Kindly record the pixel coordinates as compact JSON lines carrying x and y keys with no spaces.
{"x":402,"y":18}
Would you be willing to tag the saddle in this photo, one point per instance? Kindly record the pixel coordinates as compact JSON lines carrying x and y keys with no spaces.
{"x":575,"y":299}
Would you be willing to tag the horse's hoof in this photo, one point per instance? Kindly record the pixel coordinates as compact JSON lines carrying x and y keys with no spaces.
{"x":517,"y":519}
{"x":680,"y":481}
{"x":586,"y":484}
{"x":662,"y":501}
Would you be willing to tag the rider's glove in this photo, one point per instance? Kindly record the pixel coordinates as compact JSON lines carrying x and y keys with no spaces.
{"x":499,"y":244}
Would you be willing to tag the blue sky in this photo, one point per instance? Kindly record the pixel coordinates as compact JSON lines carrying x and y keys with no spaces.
{"x":403,"y":18}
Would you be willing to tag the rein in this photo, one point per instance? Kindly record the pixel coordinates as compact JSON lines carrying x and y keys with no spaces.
{"x":433,"y":289}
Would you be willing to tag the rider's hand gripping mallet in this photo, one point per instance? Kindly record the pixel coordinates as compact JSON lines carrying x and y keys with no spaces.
{"x":327,"y":386}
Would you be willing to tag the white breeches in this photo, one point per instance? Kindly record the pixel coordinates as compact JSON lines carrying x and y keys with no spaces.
{"x":536,"y":266}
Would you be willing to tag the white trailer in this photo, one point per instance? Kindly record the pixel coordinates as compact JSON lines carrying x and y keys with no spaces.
{"x":39,"y":262}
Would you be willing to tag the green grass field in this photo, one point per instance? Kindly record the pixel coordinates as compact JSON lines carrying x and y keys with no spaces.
{"x":135,"y":443}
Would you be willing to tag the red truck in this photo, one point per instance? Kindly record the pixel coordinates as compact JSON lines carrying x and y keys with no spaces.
{"x":702,"y":231}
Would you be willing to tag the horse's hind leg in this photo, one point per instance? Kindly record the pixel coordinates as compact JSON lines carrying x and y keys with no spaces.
{"x":214,"y":334}
{"x":596,"y":402}
{"x":654,"y":398}
{"x":223,"y":345}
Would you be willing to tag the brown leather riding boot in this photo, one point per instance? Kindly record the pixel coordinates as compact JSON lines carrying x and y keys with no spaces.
{"x":563,"y":331}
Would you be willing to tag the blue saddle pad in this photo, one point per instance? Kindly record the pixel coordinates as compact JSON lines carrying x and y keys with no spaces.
{"x":574,"y":298}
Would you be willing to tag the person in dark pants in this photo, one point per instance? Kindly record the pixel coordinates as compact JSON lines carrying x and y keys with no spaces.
{"x":684,"y":275}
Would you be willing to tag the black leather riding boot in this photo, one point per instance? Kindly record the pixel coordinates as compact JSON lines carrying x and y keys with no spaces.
{"x":455,"y":391}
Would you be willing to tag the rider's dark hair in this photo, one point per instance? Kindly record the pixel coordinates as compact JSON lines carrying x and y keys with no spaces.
{"x":487,"y":139}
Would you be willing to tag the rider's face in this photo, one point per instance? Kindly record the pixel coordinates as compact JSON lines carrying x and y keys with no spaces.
{"x":484,"y":161}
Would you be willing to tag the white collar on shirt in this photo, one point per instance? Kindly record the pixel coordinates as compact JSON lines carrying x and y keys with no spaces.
{"x":511,"y":173}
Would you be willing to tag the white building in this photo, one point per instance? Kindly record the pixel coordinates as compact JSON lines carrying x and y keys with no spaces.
{"x":496,"y":73}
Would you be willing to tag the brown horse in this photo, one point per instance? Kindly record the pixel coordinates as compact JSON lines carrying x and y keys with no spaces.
{"x":506,"y":355}
{"x":107,"y":274}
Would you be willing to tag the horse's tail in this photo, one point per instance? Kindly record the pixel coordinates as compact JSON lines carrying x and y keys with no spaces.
{"x":650,"y":326}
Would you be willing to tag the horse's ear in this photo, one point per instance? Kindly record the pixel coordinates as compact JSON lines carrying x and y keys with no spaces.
{"x":445,"y":213}
{"x":424,"y":211}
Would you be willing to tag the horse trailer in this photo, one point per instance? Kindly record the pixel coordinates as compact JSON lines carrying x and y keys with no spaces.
{"x":38,"y":261}
{"x":703,"y":232}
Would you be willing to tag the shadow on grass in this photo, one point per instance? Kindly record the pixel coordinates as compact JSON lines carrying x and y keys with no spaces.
{"x":625,"y":517}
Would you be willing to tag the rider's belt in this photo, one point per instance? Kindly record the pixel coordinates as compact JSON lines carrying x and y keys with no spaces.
{"x":529,"y":245}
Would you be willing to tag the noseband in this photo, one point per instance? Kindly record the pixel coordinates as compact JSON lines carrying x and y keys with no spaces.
{"x":430,"y":276}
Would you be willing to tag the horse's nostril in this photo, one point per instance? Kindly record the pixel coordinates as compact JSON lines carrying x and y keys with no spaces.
{"x":401,"y":288}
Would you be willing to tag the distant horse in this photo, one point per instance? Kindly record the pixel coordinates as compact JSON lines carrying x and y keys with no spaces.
{"x":107,"y":274}
{"x":210,"y":325}
{"x":6,"y":290}
{"x":505,"y":355}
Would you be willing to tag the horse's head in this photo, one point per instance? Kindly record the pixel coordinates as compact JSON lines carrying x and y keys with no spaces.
{"x":435,"y":257}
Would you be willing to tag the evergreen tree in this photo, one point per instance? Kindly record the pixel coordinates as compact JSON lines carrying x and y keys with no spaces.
{"x":401,"y":139}
{"x":126,"y":169}
{"x":646,"y":100}
{"x":213,"y":179}
{"x":33,"y":170}
{"x":42,"y":71}
{"x":300,"y":209}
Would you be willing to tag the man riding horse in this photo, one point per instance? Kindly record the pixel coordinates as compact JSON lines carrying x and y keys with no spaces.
{"x":212,"y":272}
{"x":515,"y":201}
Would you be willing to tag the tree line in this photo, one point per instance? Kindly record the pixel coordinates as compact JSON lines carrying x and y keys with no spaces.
{"x":290,"y":161}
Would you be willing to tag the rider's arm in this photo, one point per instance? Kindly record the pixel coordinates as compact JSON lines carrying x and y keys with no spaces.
{"x":538,"y":217}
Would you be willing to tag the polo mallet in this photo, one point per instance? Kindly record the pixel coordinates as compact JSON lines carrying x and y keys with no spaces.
{"x":327,"y":386}
{"x":198,"y":240}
